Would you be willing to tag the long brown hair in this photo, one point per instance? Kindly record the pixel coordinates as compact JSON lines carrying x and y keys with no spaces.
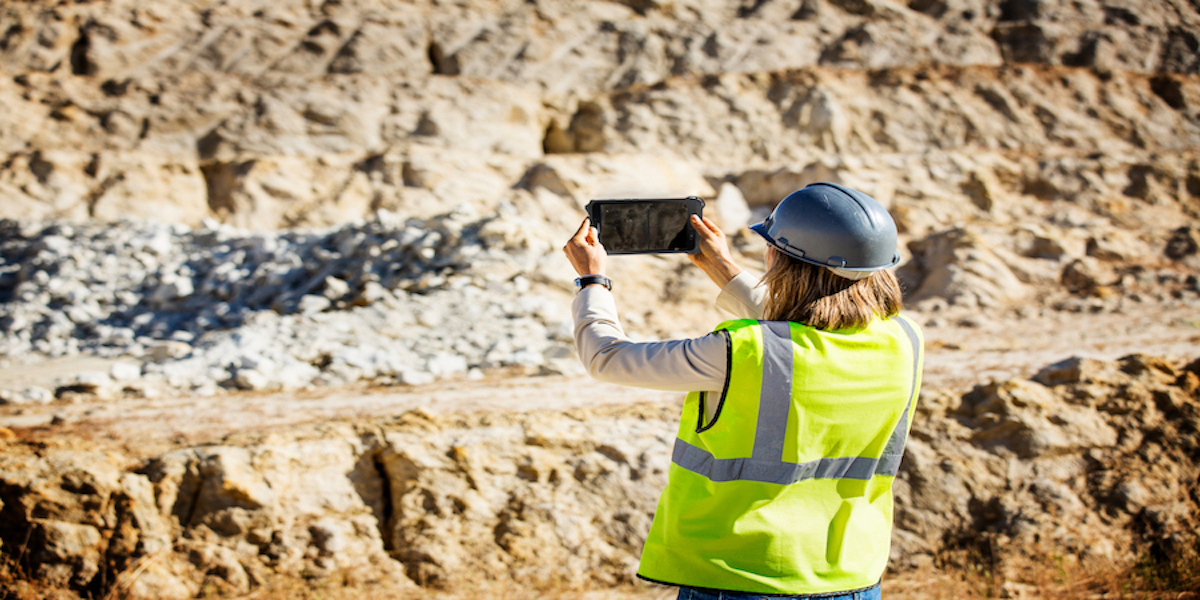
{"x":805,"y":293}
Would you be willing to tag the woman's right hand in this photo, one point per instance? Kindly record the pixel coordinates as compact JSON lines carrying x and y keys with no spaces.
{"x":714,"y":257}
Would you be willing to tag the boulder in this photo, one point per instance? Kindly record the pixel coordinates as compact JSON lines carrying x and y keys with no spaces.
{"x":732,"y":212}
{"x":1028,"y":420}
{"x":960,"y":267}
{"x":80,"y":518}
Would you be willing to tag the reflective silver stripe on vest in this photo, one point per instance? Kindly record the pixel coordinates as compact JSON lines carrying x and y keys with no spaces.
{"x":893,"y":451}
{"x":775,"y":400}
{"x":766,"y":463}
{"x":702,"y":462}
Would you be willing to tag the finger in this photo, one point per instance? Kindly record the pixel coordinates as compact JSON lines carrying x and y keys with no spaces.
{"x":712,"y":226}
{"x":593,"y":236}
{"x":581,"y":233}
{"x":704,"y":227}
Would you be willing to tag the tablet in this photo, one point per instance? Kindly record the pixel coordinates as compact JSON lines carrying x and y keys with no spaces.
{"x":647,"y":226}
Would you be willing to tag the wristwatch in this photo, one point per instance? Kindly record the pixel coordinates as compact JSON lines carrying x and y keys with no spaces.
{"x":586,"y":280}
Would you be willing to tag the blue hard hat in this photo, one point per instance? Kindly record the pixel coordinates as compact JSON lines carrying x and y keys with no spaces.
{"x":833,"y":226}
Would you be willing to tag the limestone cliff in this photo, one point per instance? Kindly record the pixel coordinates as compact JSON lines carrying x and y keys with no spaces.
{"x":278,"y":114}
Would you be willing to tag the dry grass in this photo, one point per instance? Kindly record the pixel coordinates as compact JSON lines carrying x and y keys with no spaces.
{"x":297,"y":589}
{"x":1054,"y":578}
{"x":1175,"y":579}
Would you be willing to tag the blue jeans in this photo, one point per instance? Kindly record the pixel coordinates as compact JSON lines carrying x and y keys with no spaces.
{"x":689,"y":593}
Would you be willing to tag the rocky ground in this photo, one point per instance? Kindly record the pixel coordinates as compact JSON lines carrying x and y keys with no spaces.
{"x":282,"y":309}
{"x":1090,"y":461}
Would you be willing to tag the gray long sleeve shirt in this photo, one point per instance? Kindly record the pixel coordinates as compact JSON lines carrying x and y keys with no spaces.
{"x":696,"y":364}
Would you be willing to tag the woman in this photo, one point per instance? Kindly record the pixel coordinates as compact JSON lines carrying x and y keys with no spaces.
{"x":791,"y":435}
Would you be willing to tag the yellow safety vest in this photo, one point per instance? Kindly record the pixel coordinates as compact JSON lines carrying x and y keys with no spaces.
{"x":789,"y":489}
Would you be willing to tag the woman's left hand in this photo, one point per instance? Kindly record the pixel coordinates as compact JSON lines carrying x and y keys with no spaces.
{"x":714,"y":257}
{"x":585,"y":252}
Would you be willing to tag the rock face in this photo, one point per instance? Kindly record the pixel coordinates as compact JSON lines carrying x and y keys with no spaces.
{"x":1028,"y":150}
{"x":269,"y":115}
{"x":86,"y":519}
{"x":1090,"y":460}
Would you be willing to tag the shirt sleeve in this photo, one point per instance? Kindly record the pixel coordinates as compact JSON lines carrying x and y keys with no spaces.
{"x":696,"y":364}
{"x":743,"y":297}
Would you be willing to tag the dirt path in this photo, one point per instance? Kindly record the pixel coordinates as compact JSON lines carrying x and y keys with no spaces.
{"x":144,"y":427}
{"x":959,"y":357}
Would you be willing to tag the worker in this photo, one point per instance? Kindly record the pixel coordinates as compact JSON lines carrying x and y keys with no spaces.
{"x":797,"y":414}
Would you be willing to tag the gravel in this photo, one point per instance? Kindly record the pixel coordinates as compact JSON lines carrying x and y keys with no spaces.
{"x":383,"y":301}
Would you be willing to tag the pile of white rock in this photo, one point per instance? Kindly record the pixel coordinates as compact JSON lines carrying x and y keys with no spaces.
{"x":384,"y":301}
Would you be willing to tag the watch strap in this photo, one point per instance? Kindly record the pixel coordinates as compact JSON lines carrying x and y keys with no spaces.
{"x":586,"y":280}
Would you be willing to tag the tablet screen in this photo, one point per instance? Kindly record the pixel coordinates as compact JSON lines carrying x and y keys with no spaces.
{"x":644,"y":226}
